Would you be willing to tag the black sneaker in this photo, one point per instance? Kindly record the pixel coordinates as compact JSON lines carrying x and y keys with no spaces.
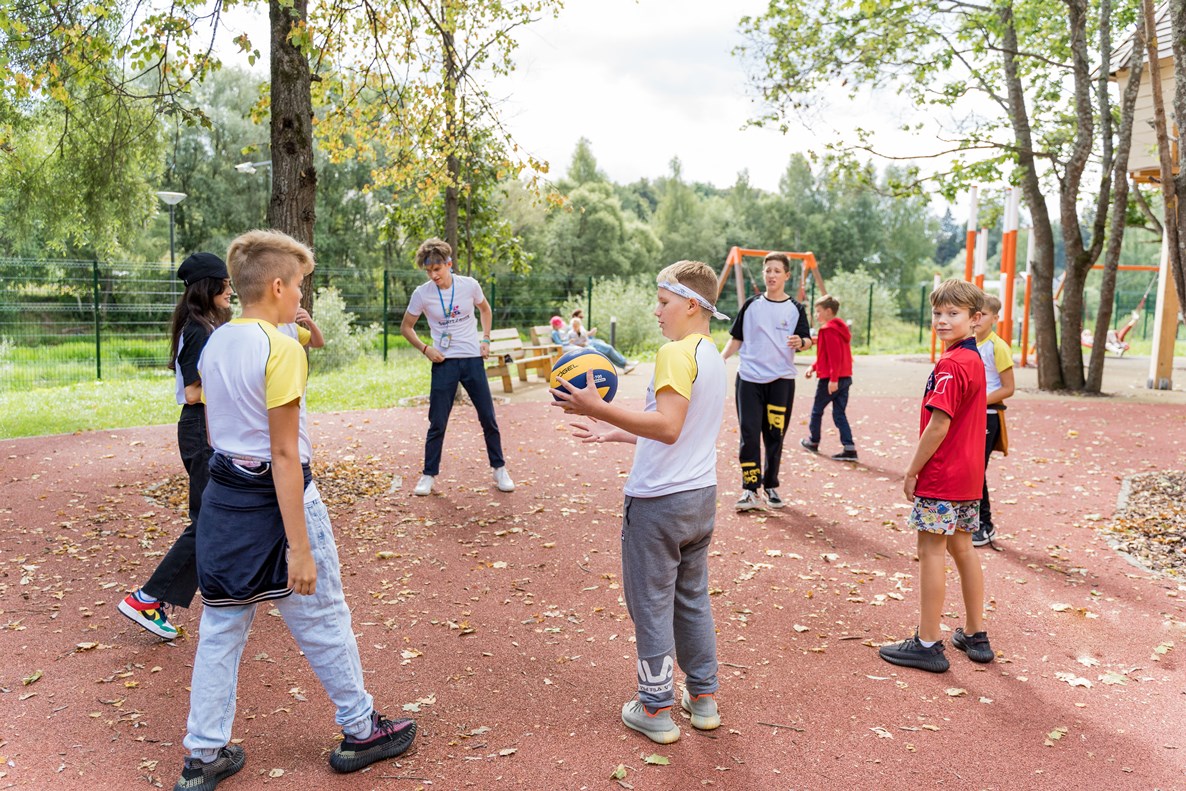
{"x":388,"y":739}
{"x":809,"y":445}
{"x":974,"y":645}
{"x":984,"y":535}
{"x":773,"y":500}
{"x":845,"y":455}
{"x":200,"y":776}
{"x":912,"y":653}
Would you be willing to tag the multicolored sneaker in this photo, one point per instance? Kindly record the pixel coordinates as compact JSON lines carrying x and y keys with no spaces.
{"x":200,"y":776}
{"x":703,"y":709}
{"x":657,"y":727}
{"x":388,"y":739}
{"x":148,"y":615}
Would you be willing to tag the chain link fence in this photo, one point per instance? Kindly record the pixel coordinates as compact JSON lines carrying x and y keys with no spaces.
{"x":65,"y":322}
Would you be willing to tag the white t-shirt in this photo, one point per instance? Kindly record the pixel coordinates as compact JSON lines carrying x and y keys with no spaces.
{"x":763,"y":326}
{"x":692,"y":367}
{"x":459,"y":301}
{"x":247,"y":368}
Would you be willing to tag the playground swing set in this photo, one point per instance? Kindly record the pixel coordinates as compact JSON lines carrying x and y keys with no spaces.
{"x":735,"y":261}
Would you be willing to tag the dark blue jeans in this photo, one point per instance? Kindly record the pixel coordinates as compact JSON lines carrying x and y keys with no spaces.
{"x":470,"y":373}
{"x":839,"y":402}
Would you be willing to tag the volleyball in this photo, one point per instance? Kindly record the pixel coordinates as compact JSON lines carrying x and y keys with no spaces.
{"x":576,"y":366}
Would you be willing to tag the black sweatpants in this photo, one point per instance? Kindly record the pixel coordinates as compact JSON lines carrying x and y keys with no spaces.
{"x":992,"y":431}
{"x":763,"y":409}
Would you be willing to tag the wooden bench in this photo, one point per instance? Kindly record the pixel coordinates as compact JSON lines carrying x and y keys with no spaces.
{"x":507,"y":349}
{"x":541,"y":338}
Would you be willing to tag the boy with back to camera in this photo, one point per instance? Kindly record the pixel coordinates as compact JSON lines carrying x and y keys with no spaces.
{"x":944,"y":480}
{"x":998,"y":374}
{"x":670,"y":504}
{"x":263,"y":532}
{"x":833,"y":366}
{"x":768,"y":330}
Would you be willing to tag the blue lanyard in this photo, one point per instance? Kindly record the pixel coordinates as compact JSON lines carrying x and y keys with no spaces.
{"x":449,"y":312}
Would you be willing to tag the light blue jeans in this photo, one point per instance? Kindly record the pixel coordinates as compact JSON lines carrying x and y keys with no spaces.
{"x":321,"y":626}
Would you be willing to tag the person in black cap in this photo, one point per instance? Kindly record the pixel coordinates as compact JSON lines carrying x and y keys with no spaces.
{"x":205,"y":305}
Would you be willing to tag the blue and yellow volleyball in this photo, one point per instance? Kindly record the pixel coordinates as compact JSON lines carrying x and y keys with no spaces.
{"x":575,"y":368}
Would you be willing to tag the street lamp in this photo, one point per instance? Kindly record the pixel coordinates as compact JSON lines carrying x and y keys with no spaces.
{"x":171,"y":199}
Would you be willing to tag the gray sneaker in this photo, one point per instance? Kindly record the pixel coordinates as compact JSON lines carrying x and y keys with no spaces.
{"x":749,"y":501}
{"x":657,"y":727}
{"x":773,"y":500}
{"x":703,"y":709}
{"x":199,"y":776}
{"x":912,"y":653}
{"x":976,"y":646}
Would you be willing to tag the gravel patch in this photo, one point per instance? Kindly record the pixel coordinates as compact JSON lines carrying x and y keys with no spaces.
{"x":1150,"y":521}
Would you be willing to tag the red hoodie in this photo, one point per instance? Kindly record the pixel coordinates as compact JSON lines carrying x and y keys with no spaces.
{"x":834,"y":350}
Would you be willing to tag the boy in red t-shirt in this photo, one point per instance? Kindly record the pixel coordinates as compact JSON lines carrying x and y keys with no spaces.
{"x":833,"y":366}
{"x":944,"y":480}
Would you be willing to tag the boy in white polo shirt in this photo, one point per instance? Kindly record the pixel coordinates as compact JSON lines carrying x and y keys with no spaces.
{"x":768,"y":330}
{"x":263,"y":533}
{"x":670,"y":506}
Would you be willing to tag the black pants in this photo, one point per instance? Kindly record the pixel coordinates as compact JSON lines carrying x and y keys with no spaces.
{"x":470,"y":373}
{"x":992,"y":431}
{"x":175,"y":579}
{"x":763,"y":409}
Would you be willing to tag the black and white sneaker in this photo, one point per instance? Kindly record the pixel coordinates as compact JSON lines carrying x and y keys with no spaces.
{"x":984,"y":535}
{"x":749,"y":501}
{"x":200,"y":776}
{"x":773,"y":500}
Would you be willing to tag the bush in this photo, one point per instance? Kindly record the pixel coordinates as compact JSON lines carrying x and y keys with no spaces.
{"x":344,"y":342}
{"x":632,"y":302}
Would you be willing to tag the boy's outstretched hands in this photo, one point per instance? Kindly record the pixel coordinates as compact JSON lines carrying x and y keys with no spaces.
{"x":594,"y":430}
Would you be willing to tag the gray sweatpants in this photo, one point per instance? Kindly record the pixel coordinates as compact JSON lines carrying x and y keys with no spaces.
{"x":665,"y":544}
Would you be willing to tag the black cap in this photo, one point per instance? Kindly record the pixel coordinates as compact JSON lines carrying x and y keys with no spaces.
{"x":200,"y":265}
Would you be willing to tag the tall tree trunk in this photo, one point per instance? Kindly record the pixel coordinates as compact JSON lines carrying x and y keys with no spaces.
{"x":1042,"y":298}
{"x":1178,"y":27}
{"x":452,"y":136}
{"x":1128,"y":101}
{"x":1080,"y":257}
{"x":292,"y":207}
{"x":1169,"y":184}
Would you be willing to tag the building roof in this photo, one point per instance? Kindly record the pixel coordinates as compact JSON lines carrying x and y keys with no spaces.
{"x":1122,"y":55}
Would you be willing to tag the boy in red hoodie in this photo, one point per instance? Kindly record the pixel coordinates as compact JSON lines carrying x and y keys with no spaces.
{"x":833,"y":365}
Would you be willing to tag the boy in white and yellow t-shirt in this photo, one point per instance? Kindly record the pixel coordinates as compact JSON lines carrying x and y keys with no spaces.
{"x":263,"y":533}
{"x":998,"y":377}
{"x":670,"y":505}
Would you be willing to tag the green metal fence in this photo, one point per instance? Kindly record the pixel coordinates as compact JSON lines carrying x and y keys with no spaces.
{"x":64,"y":322}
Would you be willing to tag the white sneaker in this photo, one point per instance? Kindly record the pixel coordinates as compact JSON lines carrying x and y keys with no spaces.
{"x":630,"y":366}
{"x":425,"y":486}
{"x":749,"y":501}
{"x":502,"y":479}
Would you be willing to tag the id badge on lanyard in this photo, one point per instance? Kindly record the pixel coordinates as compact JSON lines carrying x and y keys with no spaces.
{"x":446,"y":337}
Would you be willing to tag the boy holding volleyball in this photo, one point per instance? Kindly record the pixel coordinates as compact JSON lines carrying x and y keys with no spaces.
{"x":670,"y":503}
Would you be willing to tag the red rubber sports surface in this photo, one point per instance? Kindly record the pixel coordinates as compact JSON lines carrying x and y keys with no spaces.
{"x":501,"y":615}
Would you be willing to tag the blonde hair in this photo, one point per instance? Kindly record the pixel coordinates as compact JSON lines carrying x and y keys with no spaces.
{"x":959,"y":293}
{"x":992,"y":305}
{"x":258,"y":257}
{"x":696,"y":275}
{"x":828,"y":302}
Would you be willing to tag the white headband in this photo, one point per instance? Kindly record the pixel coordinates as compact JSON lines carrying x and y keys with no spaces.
{"x":684,"y":291}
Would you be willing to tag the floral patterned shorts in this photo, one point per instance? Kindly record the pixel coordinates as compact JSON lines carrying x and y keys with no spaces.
{"x":945,"y":516}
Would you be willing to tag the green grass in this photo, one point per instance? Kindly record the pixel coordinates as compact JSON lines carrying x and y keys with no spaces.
{"x":146,"y":399}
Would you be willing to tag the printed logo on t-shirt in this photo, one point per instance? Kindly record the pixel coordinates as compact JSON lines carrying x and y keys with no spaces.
{"x":937,"y":383}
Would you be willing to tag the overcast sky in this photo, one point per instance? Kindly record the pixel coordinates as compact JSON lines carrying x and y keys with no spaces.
{"x":646,"y":81}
